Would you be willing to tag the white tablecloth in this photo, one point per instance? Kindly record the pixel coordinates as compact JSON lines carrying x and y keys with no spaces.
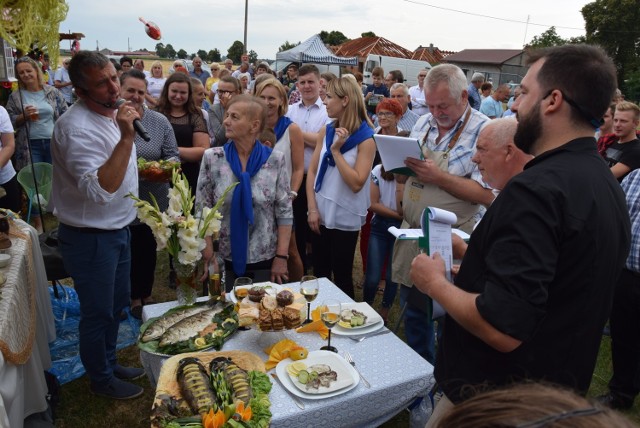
{"x":22,"y":386}
{"x":396,"y":373}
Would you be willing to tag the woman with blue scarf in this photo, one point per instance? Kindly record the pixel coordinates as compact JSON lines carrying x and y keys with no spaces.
{"x":257,"y":214}
{"x":289,"y":141}
{"x":338,"y":182}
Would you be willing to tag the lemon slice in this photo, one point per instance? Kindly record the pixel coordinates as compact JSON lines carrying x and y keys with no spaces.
{"x":344,"y":324}
{"x":200,"y":342}
{"x":294,"y":368}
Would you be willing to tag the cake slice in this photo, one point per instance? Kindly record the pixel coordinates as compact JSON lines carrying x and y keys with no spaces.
{"x":291,"y":317}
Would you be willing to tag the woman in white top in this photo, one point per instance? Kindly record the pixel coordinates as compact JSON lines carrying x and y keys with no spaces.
{"x":290,"y":142}
{"x":155,"y":83}
{"x":338,"y":182}
{"x":8,"y":179}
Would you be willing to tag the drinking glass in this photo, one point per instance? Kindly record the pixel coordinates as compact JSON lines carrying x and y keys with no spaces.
{"x":330,"y":314}
{"x":309,"y":287}
{"x":241,"y":281}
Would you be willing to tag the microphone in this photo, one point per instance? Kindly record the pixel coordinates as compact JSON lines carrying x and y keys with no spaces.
{"x":137,"y":125}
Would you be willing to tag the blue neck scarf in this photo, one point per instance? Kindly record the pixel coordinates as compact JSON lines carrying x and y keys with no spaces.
{"x":281,"y":126}
{"x":242,"y":201}
{"x":363,"y":133}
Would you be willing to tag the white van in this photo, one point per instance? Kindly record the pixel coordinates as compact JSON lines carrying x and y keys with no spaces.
{"x":409,"y":67}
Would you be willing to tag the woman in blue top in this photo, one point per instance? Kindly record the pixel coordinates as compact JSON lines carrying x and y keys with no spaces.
{"x":338,"y":182}
{"x":33,"y":109}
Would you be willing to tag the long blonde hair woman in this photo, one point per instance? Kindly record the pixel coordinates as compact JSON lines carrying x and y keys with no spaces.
{"x":338,"y":182}
{"x":289,"y":141}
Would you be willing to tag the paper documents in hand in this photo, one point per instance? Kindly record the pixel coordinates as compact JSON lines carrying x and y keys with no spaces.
{"x":394,"y":150}
{"x":417,"y":233}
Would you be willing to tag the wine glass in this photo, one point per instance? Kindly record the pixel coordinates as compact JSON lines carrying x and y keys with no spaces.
{"x":309,"y":289}
{"x":241,"y":281}
{"x":330,"y":311}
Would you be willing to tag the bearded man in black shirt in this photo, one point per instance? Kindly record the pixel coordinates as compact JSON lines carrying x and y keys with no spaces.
{"x":536,"y":283}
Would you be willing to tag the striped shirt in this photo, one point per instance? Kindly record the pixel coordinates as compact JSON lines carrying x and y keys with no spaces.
{"x":631,"y":187}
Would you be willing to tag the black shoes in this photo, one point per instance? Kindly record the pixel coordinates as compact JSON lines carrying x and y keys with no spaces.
{"x":127,"y":373}
{"x":118,"y":390}
{"x":615,"y":401}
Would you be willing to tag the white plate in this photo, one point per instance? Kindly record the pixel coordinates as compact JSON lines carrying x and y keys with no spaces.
{"x":347,"y":376}
{"x":272,"y":289}
{"x":374,"y":320}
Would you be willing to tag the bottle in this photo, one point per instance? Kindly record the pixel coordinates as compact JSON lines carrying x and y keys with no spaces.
{"x":216,"y":274}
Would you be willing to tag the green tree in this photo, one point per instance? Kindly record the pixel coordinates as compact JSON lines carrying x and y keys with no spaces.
{"x":368,"y":34}
{"x":253,"y":56}
{"x":287,"y":45}
{"x":235,"y":51}
{"x":547,"y":39}
{"x":170,"y":51}
{"x":182,"y":54}
{"x":333,"y":38}
{"x":213,"y":55}
{"x":613,"y":24}
{"x":161,"y":51}
{"x":202,"y":54}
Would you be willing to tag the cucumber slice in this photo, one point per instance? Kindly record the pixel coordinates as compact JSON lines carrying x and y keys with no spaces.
{"x":303,"y":377}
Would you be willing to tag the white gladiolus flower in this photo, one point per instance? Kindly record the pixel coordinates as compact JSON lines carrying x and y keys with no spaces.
{"x":175,"y":229}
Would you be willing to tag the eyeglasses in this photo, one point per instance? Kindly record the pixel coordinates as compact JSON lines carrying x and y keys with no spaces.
{"x":24,"y":59}
{"x":222,"y":92}
{"x":386,"y":114}
{"x":215,"y":69}
{"x":593,"y":121}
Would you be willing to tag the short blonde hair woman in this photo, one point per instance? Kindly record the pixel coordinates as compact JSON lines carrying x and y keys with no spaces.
{"x":155,"y":83}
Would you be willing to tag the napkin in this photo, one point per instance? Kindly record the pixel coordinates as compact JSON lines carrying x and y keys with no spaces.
{"x":317,"y":325}
{"x":278,"y":352}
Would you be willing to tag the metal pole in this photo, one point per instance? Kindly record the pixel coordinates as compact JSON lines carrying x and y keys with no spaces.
{"x":246,"y":14}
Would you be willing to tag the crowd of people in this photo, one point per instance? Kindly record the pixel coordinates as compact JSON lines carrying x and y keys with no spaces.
{"x":554,"y":249}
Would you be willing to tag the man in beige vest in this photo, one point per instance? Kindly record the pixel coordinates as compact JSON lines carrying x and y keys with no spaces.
{"x":446,"y":178}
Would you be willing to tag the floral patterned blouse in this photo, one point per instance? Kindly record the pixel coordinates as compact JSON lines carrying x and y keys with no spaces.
{"x":271,"y":202}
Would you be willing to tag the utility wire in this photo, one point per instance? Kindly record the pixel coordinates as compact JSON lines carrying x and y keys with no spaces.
{"x":517,"y":21}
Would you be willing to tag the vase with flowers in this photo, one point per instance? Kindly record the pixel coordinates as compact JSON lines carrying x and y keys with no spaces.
{"x":181,"y":234}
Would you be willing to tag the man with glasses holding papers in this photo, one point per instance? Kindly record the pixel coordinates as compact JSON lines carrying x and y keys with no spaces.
{"x":444,"y":178}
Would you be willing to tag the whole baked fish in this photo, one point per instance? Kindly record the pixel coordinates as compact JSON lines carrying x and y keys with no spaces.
{"x":188,"y":327}
{"x":195,"y":386}
{"x":160,"y":326}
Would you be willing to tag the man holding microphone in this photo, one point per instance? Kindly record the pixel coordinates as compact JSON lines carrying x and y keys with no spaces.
{"x":94,"y":167}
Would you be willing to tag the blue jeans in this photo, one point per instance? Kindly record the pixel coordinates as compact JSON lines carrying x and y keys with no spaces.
{"x":418,"y":328}
{"x":41,"y":150}
{"x":380,"y":249}
{"x":99,"y":263}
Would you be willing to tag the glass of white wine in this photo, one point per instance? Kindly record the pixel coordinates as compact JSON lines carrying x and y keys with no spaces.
{"x":330,"y":311}
{"x":241,"y":281}
{"x":309,"y":287}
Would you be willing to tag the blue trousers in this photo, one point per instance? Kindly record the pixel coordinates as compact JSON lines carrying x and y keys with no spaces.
{"x":418,"y":328}
{"x":99,"y":263}
{"x":41,"y":150}
{"x":380,"y":249}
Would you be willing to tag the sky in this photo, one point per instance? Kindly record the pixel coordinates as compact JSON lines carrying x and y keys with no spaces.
{"x":208,"y":24}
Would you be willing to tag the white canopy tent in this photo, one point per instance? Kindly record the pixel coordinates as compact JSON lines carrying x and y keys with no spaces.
{"x":312,"y":51}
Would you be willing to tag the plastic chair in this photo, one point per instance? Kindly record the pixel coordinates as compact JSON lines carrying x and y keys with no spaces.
{"x":43,"y":174}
